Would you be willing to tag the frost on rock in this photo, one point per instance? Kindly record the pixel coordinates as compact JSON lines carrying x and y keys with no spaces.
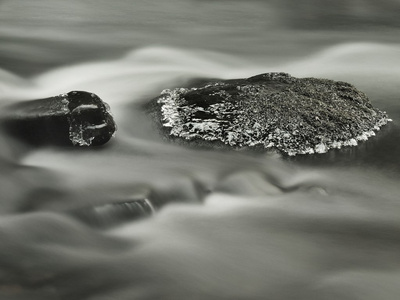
{"x":293,"y":115}
{"x":74,"y":118}
{"x":90,"y":120}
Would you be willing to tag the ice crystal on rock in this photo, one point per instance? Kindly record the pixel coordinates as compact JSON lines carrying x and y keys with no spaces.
{"x":293,"y":115}
{"x":75,"y":118}
{"x":90,"y":121}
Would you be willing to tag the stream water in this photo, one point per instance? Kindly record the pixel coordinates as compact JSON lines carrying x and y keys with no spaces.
{"x":232,"y":225}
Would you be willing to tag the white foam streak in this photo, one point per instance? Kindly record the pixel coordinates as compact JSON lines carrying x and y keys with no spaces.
{"x":137,"y":73}
{"x":124,"y":79}
{"x":351,"y":59}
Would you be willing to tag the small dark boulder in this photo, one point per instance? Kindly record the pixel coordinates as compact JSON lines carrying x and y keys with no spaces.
{"x":272,"y":110}
{"x":77,"y":118}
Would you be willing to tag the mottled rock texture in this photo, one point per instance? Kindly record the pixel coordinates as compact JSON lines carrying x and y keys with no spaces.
{"x":272,"y":110}
{"x":76,"y":118}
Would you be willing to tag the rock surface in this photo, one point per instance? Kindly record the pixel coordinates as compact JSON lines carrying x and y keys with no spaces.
{"x":76,"y":118}
{"x":274,"y":110}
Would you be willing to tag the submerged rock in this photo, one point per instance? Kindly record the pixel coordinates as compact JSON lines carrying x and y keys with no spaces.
{"x":113,"y":214}
{"x":274,"y":110}
{"x":78,"y":118}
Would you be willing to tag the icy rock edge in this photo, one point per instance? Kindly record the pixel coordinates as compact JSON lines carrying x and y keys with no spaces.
{"x":275,"y":110}
{"x":90,"y":120}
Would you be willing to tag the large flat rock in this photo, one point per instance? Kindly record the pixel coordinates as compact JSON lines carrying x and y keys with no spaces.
{"x":272,"y":110}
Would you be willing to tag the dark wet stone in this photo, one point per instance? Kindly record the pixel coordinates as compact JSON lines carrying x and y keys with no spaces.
{"x":77,"y":118}
{"x":272,"y":110}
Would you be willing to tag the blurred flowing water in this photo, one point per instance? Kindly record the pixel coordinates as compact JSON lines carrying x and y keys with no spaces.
{"x":233,"y":225}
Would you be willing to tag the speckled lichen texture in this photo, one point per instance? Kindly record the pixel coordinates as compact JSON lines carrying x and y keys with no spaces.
{"x":275,"y":110}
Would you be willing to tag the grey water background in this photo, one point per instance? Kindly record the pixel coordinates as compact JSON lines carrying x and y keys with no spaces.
{"x":234,"y":225}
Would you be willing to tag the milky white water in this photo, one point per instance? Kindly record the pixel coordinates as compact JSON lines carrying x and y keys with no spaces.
{"x":232,"y":225}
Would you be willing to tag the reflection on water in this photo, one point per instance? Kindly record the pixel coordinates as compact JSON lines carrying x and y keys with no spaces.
{"x":231,"y":225}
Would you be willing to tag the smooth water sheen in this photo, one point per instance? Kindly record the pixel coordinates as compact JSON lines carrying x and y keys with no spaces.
{"x":233,"y":225}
